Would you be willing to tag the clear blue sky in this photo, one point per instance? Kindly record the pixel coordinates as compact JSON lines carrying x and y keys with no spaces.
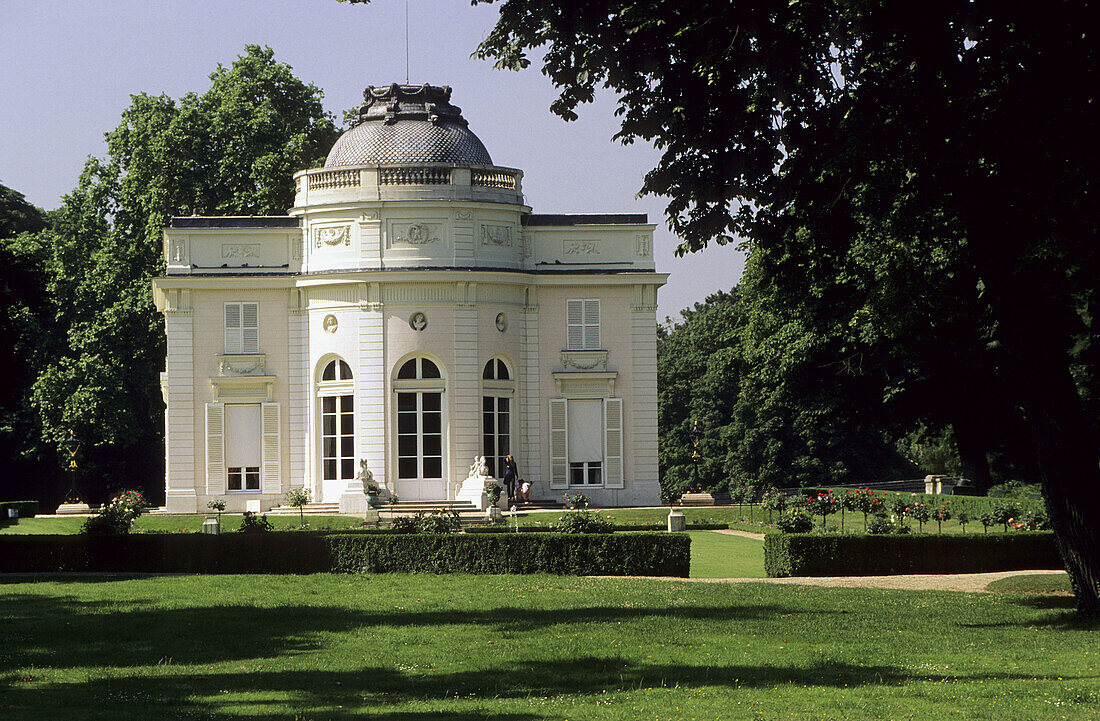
{"x":70,"y":66}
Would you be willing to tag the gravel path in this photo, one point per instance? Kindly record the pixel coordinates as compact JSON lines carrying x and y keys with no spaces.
{"x":968,"y":582}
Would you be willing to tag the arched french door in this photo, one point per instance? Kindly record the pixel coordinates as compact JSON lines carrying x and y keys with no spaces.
{"x":419,"y":387}
{"x":336,"y":421}
{"x":498,"y":390}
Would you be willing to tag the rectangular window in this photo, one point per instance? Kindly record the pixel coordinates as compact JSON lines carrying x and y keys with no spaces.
{"x":338,"y":437}
{"x":582,"y":319}
{"x":242,"y":328}
{"x":496,"y":436}
{"x":242,"y":447}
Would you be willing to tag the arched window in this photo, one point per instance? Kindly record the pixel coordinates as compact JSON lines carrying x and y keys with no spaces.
{"x":336,"y":396}
{"x":498,"y":389}
{"x":418,"y":385}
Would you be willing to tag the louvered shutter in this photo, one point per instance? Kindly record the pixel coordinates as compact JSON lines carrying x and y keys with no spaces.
{"x":270,"y":480}
{"x":559,"y":445}
{"x":250,"y":328}
{"x":613,"y":442}
{"x":232,"y":328}
{"x":574,"y":320}
{"x":591,"y":324}
{"x":215,"y":448}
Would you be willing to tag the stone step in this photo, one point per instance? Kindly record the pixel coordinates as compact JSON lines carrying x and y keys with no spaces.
{"x":311,"y":509}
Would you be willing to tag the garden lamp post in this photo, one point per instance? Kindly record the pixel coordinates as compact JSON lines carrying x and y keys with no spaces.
{"x":695,"y":435}
{"x":72,"y":445}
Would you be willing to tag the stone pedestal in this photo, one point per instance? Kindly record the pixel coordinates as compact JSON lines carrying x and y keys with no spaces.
{"x":933,"y":484}
{"x":73,"y":509}
{"x":370,"y":515}
{"x":353,"y":501}
{"x":473,"y":490}
{"x":676,"y":521}
{"x":211,"y":526}
{"x":493,"y":515}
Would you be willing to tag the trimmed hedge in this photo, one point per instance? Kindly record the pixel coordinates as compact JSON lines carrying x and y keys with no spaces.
{"x":805,"y":554}
{"x":27,"y":509}
{"x":628,"y":554}
{"x":619,"y":528}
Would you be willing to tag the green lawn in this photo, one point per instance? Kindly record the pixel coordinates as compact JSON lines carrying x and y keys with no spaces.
{"x":719,"y":555}
{"x":527,"y":648}
{"x":176,"y":524}
{"x":1032,"y":583}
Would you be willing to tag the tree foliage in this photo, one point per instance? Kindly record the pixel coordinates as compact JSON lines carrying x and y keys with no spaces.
{"x":913,"y":184}
{"x":229,"y":151}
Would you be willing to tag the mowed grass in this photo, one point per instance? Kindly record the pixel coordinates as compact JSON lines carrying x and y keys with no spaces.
{"x":1056,"y":583}
{"x":537,"y":647}
{"x":176,"y":524}
{"x":720,"y":555}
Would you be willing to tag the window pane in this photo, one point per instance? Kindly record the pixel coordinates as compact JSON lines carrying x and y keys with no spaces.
{"x":432,"y":423}
{"x":502,"y":371}
{"x":328,"y":404}
{"x":595,"y":474}
{"x":347,"y":404}
{"x":406,"y":445}
{"x":347,"y":447}
{"x":433,"y":467}
{"x":330,"y":470}
{"x":234,"y":483}
{"x":328,"y":425}
{"x":252,"y":479}
{"x":488,"y":447}
{"x":487,"y":374}
{"x":491,"y":461}
{"x":431,"y":370}
{"x":432,"y":401}
{"x":502,"y":423}
{"x":347,"y":423}
{"x":488,"y":403}
{"x":487,"y":422}
{"x":329,"y":374}
{"x":406,"y":423}
{"x":329,"y":450}
{"x":502,"y":404}
{"x":347,"y":468}
{"x":576,"y":473}
{"x":345,"y":371}
{"x":406,"y":401}
{"x":408,"y":370}
{"x":433,"y":445}
{"x":406,"y":468}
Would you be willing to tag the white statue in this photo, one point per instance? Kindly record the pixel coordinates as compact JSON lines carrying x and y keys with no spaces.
{"x":479,"y":468}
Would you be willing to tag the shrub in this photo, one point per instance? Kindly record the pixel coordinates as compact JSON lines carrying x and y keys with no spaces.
{"x":216,"y":505}
{"x":27,"y":509}
{"x":880,"y":525}
{"x":405,"y":524}
{"x":920,"y":513}
{"x":583,"y":522}
{"x":116,"y":516}
{"x":823,"y":504}
{"x":493,"y":491}
{"x":866,"y":502}
{"x":816,"y":555}
{"x":576,"y":500}
{"x":941,"y":514}
{"x":298,"y":498}
{"x":795,"y":520}
{"x":251,"y":523}
{"x":441,"y":520}
{"x":774,"y":500}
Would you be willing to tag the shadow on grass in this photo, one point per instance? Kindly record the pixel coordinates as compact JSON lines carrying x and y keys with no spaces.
{"x":62,"y":632}
{"x":1064,"y":616}
{"x":342,"y":695}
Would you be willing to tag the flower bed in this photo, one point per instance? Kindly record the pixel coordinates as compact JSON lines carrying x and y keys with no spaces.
{"x":804,"y":554}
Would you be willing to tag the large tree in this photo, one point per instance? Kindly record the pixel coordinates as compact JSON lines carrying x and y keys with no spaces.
{"x":819,"y":130}
{"x":229,"y":151}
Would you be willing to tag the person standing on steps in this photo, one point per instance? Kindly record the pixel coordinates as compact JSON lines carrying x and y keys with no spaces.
{"x":510,"y":475}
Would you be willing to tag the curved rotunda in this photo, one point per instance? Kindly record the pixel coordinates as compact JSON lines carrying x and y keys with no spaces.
{"x":409,"y":313}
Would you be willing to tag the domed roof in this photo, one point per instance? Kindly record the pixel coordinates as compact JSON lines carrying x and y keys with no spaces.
{"x":408,"y":124}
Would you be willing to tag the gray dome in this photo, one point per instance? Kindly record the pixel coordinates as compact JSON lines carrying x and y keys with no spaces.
{"x":408,"y":124}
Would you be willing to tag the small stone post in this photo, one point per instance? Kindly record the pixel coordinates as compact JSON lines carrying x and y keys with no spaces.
{"x":676,"y":521}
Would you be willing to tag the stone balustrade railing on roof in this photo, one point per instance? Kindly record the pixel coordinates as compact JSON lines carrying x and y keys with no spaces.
{"x":408,"y":182}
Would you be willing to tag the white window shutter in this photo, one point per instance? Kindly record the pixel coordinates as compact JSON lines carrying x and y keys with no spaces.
{"x":559,"y":445}
{"x":613,"y":442}
{"x":270,"y":479}
{"x":591,"y":324}
{"x":250,"y":328}
{"x":574,"y":321}
{"x":232,"y":328}
{"x":215,"y":448}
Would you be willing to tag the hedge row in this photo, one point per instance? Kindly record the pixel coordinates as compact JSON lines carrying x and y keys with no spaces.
{"x":619,"y":528}
{"x":628,"y":554}
{"x":805,"y":554}
{"x":27,"y":509}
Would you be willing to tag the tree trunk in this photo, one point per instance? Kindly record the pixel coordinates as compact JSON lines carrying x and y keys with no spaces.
{"x":973,"y":448}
